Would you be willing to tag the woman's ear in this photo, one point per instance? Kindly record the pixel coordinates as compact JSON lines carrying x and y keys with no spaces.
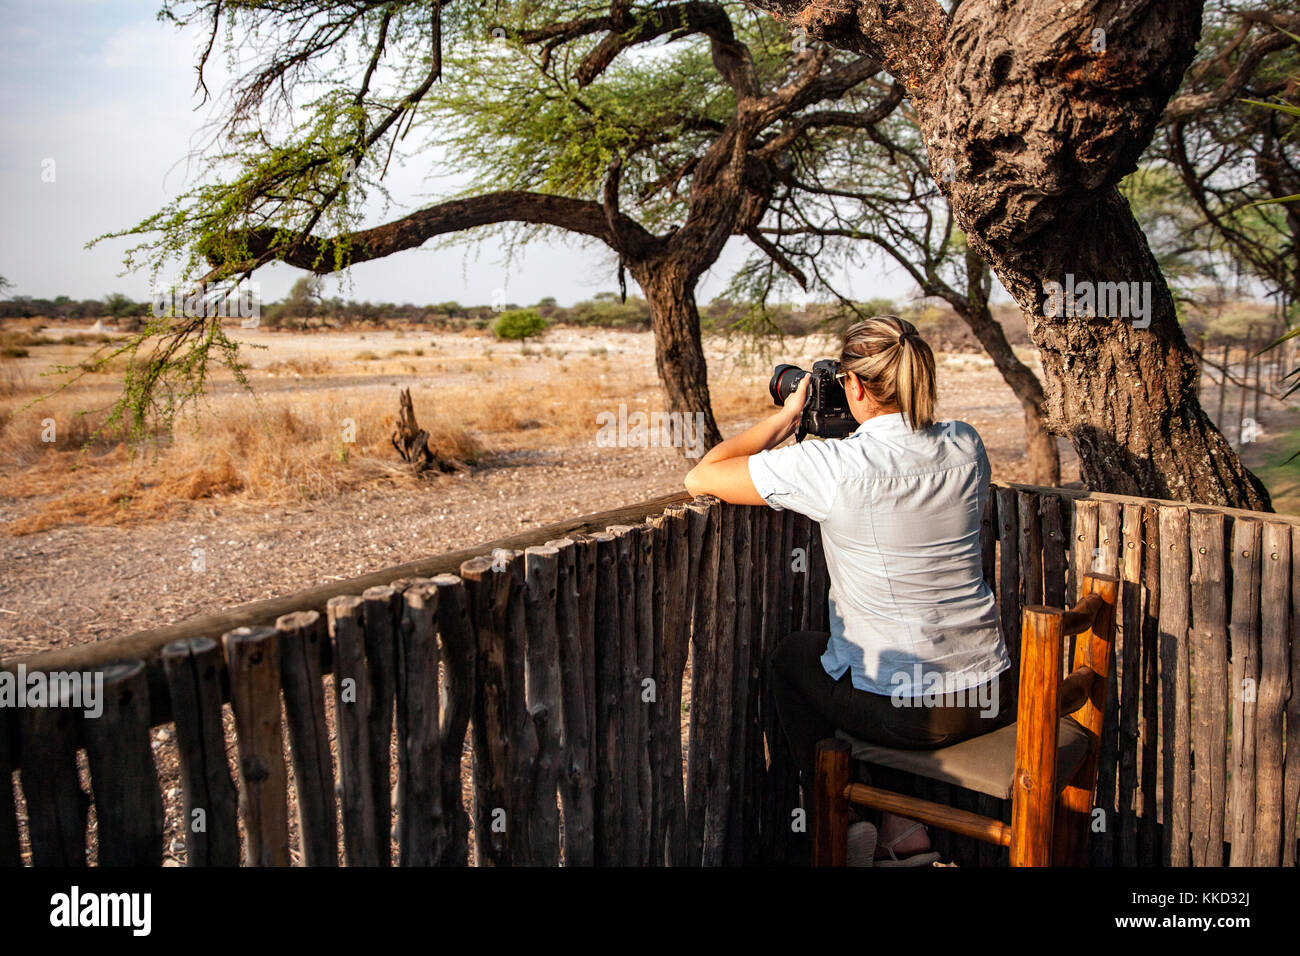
{"x":859,"y":390}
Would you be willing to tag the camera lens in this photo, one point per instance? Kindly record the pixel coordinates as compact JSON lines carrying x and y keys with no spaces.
{"x":785,"y":379}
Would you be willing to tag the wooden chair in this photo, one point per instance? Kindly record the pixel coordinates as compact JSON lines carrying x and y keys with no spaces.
{"x":1045,"y":762}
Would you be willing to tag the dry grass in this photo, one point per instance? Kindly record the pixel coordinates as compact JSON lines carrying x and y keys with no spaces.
{"x":299,"y":367}
{"x":278,"y":450}
{"x":283,"y":447}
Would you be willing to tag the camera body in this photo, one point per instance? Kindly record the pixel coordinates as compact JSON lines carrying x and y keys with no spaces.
{"x":825,"y":410}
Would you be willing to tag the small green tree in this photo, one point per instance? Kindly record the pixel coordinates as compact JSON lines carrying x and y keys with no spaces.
{"x":519,"y":325}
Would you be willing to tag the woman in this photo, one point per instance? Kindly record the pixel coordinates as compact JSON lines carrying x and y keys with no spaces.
{"x":914,"y":657}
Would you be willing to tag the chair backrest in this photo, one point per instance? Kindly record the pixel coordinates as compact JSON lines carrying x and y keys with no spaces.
{"x":1048,"y":828}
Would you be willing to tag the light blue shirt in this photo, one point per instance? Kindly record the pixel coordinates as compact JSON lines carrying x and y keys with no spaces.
{"x":900,"y":522}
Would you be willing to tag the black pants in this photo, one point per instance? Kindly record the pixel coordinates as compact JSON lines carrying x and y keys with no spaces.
{"x":812,"y":706}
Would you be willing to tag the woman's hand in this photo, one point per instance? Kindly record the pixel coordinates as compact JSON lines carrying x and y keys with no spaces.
{"x":792,"y":410}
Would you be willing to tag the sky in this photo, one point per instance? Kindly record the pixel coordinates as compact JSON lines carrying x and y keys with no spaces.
{"x":98,"y":113}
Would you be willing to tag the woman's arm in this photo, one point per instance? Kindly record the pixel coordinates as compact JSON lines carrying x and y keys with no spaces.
{"x":724,"y":470}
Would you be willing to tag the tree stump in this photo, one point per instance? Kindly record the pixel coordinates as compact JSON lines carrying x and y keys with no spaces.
{"x":412,"y":442}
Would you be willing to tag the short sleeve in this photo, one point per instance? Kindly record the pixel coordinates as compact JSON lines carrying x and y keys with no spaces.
{"x":802,"y":477}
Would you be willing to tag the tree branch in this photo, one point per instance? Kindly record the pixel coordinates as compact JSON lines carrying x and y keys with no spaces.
{"x":325,"y":255}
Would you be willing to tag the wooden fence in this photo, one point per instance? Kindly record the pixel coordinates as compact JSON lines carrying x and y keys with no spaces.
{"x":1194,"y":766}
{"x":593,"y":696}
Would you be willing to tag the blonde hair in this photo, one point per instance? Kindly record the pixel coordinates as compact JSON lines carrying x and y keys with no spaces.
{"x":895,"y":365}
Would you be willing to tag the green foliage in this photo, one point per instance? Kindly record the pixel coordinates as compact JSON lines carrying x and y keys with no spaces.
{"x":519,"y":324}
{"x":606,"y":311}
{"x":119,"y":306}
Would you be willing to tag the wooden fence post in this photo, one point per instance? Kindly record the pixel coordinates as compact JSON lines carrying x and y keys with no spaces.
{"x":128,"y":804}
{"x":1244,"y":689}
{"x":1009,"y":578}
{"x":1084,"y":556}
{"x":1175,"y":603}
{"x":1274,"y":687}
{"x":381,"y":613}
{"x":742,"y":648}
{"x":57,"y":806}
{"x":1031,"y":549}
{"x":194,"y":669}
{"x":351,"y":709}
{"x":626,"y":702}
{"x":253,"y":659}
{"x":302,"y":635}
{"x":704,"y":648}
{"x":489,"y":599}
{"x":989,"y":539}
{"x":1054,"y":542}
{"x":718,"y":737}
{"x":421,"y":823}
{"x":544,"y":691}
{"x":10,"y":852}
{"x":1150,"y":851}
{"x":644,"y":699}
{"x":1291,"y":774}
{"x":608,"y":683}
{"x":1208,"y":651}
{"x":458,"y":695}
{"x":755,"y":780}
{"x":1109,"y":560}
{"x":576,"y":781}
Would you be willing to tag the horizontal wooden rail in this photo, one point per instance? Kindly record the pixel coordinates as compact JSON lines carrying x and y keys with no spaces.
{"x":147,"y":645}
{"x":1081,"y":494}
{"x":955,"y":821}
{"x":1075,"y":689}
{"x":1080,"y":617}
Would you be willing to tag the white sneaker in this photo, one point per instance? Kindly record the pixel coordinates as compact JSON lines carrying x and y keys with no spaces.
{"x":862,"y":845}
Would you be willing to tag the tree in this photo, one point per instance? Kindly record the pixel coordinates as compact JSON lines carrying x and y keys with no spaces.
{"x":1231,"y":148}
{"x":1031,"y":114}
{"x":654,"y":129}
{"x":302,"y":302}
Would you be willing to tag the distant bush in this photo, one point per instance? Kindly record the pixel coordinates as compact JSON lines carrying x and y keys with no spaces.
{"x":519,"y":325}
{"x":606,"y":311}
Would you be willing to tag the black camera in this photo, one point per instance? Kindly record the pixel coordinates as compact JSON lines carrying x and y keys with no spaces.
{"x":825,"y":409}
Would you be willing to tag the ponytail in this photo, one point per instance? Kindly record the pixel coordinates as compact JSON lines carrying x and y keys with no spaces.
{"x":895,"y":366}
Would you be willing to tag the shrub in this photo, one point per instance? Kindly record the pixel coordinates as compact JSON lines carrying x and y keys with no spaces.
{"x":519,"y":325}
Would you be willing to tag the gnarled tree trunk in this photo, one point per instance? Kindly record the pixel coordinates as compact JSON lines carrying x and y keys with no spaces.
{"x":1034,"y":112}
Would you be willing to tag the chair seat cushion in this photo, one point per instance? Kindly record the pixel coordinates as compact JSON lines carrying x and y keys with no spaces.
{"x":986,"y":763}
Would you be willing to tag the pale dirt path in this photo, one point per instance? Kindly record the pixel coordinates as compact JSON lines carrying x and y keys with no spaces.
{"x":77,"y":584}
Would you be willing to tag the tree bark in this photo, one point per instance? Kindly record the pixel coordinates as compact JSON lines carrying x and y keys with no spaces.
{"x":669,"y":287}
{"x":1034,"y":117}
